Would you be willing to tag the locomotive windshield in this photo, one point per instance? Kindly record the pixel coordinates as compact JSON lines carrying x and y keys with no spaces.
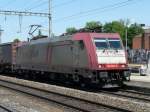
{"x":107,"y":43}
{"x":101,"y":43}
{"x":115,"y":43}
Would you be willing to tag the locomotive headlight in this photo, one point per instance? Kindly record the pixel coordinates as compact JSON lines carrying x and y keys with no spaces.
{"x":103,"y":74}
{"x":123,"y":66}
{"x":100,"y":66}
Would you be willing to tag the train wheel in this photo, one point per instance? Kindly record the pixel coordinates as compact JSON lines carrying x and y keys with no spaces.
{"x":52,"y":76}
{"x":82,"y":82}
{"x":34,"y":76}
{"x":26,"y":76}
{"x":82,"y":85}
{"x":76,"y":78}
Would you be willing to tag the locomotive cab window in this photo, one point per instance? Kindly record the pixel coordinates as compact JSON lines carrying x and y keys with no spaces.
{"x":115,"y":43}
{"x":108,"y":43}
{"x":101,"y":43}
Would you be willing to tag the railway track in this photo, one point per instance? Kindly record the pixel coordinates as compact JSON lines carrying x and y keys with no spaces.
{"x":72,"y":103}
{"x":130,"y":94}
{"x":124,"y":100}
{"x":138,"y":89}
{"x":5,"y":109}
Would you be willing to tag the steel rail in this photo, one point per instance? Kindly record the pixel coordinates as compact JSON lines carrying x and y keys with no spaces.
{"x":6,"y":109}
{"x":71,"y":102}
{"x":128,"y":94}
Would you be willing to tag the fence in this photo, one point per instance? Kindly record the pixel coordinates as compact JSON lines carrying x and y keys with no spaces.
{"x":139,"y":56}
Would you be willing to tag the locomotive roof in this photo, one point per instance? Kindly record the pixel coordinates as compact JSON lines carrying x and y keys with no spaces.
{"x":74,"y":37}
{"x":8,"y":43}
{"x":70,"y":37}
{"x":53,"y":39}
{"x":100,"y":35}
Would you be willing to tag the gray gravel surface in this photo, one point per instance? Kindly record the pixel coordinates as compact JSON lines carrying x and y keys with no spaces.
{"x":77,"y":103}
{"x":99,"y":98}
{"x":131,"y":95}
{"x":19,"y":102}
{"x":138,"y":84}
{"x":3,"y":110}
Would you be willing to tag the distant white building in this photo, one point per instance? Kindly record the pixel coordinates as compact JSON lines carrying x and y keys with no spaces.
{"x":147,"y":30}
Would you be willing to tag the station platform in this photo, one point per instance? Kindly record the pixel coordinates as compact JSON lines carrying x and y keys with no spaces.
{"x":139,"y":81}
{"x":137,"y":77}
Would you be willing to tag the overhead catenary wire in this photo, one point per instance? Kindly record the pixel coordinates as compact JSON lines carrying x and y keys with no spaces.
{"x":38,"y":5}
{"x":23,"y":13}
{"x":8,"y":3}
{"x":81,"y":13}
{"x":64,"y":3}
{"x":60,"y":5}
{"x":85,"y":15}
{"x":95,"y":10}
{"x":30,"y":4}
{"x":103,"y":9}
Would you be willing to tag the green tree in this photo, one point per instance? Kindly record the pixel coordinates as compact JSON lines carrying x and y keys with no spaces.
{"x":133,"y":30}
{"x":121,"y":27}
{"x":71,"y":30}
{"x":16,"y":40}
{"x":115,"y":27}
{"x":93,"y":26}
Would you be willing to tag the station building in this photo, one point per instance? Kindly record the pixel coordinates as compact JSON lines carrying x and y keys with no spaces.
{"x":142,"y":41}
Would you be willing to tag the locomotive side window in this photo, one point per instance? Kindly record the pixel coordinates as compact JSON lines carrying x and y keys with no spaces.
{"x":101,"y":43}
{"x":115,"y":43}
{"x":81,"y":44}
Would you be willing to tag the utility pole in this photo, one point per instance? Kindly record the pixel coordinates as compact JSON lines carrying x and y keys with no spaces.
{"x":127,"y":22}
{"x":0,"y":34}
{"x":126,"y":38}
{"x":50,"y":19}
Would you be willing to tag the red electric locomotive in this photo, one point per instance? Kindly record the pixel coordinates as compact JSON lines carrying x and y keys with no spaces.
{"x":86,"y":58}
{"x":97,"y":58}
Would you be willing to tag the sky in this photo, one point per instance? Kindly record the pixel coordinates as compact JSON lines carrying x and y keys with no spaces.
{"x":69,"y":13}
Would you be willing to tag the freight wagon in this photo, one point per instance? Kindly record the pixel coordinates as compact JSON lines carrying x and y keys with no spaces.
{"x":8,"y":55}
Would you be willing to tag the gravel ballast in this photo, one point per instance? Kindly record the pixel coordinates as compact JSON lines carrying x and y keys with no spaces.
{"x":18,"y":102}
{"x":99,"y":98}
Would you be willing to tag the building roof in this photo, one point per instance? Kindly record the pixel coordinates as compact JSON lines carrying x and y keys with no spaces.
{"x":147,"y":30}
